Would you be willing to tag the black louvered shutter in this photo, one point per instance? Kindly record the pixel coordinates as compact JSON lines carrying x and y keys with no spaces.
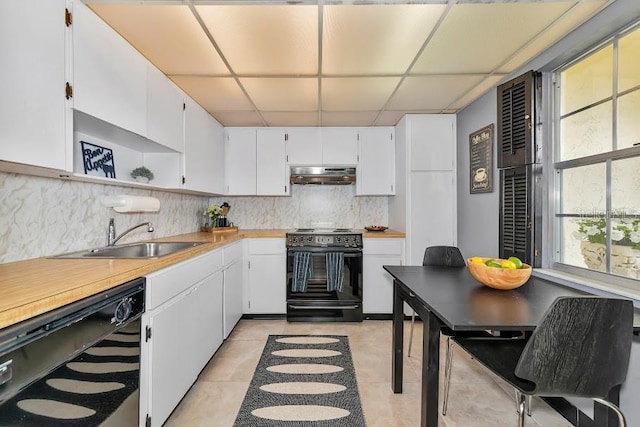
{"x":515,"y":122}
{"x":519,"y":221}
{"x":520,"y":187}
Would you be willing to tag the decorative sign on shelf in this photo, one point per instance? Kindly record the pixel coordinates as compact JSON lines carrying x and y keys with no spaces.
{"x":481,"y":160}
{"x":98,"y":161}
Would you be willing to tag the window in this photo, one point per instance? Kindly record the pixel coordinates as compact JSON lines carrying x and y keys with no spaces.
{"x":597,"y":161}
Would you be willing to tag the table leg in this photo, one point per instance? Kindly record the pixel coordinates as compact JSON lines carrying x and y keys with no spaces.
{"x":430,"y":370}
{"x":397,"y":340}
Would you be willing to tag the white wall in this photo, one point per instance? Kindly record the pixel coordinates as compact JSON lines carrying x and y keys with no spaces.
{"x":307,"y":206}
{"x":43,"y":216}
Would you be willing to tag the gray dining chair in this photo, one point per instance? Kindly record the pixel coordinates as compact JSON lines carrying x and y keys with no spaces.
{"x":444,"y":256}
{"x":581,"y":348}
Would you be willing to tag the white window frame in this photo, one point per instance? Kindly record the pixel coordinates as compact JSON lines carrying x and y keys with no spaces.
{"x":553,"y":231}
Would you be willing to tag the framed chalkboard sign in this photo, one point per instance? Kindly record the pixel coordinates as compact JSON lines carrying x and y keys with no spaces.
{"x":481,"y":160}
{"x":97,"y":160}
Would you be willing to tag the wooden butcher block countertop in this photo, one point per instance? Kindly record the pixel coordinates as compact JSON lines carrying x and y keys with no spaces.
{"x":32,"y":287}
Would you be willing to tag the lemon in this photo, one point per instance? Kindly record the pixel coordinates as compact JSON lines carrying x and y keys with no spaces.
{"x":508,"y":264}
{"x":492,"y":263}
{"x":516,"y":261}
{"x":476,"y":260}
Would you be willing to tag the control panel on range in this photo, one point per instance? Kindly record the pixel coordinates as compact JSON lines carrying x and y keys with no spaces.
{"x":347,"y":241}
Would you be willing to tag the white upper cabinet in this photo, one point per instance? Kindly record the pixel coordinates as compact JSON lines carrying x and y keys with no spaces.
{"x":32,"y":106}
{"x":272,"y":172}
{"x":165,"y":115}
{"x":339,"y":146}
{"x":304,"y":146}
{"x":240,"y":165}
{"x":431,"y":142}
{"x":313,"y":146}
{"x":204,"y":150}
{"x":109,"y":74}
{"x":376,"y":165}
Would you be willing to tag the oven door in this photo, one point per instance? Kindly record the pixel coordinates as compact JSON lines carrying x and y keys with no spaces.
{"x":316,"y":303}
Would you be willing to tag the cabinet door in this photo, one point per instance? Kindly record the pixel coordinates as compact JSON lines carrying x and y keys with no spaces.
{"x":240,"y":152}
{"x":304,"y":146}
{"x":272,"y":175}
{"x":267,"y":284}
{"x":208,"y":300}
{"x":110,"y":76}
{"x":339,"y":146}
{"x":232,"y":296}
{"x":32,"y":106}
{"x":165,"y":114}
{"x":377,"y":284}
{"x":376,"y":165}
{"x":203,"y":151}
{"x":433,"y":142}
{"x":170,"y":357}
{"x":433,"y":201}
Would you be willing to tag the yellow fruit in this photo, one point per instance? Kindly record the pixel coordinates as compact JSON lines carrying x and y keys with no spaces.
{"x":516,"y":261}
{"x":476,"y":260}
{"x":508,"y":264}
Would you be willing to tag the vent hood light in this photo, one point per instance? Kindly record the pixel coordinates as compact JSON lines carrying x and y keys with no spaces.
{"x":323,"y":175}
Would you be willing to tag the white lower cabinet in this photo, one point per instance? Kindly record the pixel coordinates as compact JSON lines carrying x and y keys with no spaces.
{"x":377,"y":284}
{"x":232,"y":293}
{"x":182,"y":328}
{"x":266,"y":277}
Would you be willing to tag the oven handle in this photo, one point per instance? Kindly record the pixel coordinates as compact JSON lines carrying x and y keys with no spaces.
{"x":333,"y":307}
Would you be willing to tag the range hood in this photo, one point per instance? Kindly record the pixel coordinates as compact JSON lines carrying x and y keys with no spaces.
{"x":323,"y":175}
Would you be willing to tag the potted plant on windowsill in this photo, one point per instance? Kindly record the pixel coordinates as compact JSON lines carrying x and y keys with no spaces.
{"x":142,"y":174}
{"x":625,"y":244}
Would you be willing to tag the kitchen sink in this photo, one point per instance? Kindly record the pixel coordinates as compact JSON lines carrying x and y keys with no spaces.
{"x":133,"y":250}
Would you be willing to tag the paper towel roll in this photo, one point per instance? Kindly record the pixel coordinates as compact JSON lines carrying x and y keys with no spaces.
{"x":123,"y":203}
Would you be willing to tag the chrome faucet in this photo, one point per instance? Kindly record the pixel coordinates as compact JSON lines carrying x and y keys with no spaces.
{"x":111,"y":231}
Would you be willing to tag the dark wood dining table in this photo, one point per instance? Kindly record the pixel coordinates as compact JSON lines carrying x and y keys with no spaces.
{"x":445,"y":296}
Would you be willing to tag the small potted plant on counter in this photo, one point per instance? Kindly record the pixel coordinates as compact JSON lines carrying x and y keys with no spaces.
{"x":142,"y":174}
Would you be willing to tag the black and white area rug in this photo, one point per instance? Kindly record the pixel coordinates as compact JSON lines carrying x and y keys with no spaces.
{"x":303,"y":381}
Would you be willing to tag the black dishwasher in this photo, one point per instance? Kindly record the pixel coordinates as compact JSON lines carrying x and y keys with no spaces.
{"x":78,"y":365}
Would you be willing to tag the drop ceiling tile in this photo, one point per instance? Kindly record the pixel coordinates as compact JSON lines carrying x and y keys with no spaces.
{"x":238,"y":118}
{"x":357,"y":93}
{"x":348,"y":118}
{"x":375,"y":39}
{"x":168,"y":35}
{"x":390,"y":118}
{"x":432,"y":93}
{"x":475,"y":92}
{"x":572,"y":19}
{"x":283,"y":94}
{"x":477,"y":38}
{"x":265,"y":39}
{"x":214,"y":93}
{"x":288,"y":118}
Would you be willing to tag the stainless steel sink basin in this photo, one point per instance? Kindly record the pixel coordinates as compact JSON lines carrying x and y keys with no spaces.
{"x":133,"y":250}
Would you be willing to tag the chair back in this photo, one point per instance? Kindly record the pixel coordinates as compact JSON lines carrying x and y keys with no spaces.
{"x":443,"y":256}
{"x":580,"y":348}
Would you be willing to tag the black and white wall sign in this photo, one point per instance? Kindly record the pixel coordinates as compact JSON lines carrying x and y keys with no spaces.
{"x":98,"y":161}
{"x":481,"y":160}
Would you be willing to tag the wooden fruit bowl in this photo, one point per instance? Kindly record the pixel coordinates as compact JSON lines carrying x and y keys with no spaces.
{"x":499,"y":278}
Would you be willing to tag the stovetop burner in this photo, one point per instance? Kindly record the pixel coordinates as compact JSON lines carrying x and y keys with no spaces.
{"x":323,"y":230}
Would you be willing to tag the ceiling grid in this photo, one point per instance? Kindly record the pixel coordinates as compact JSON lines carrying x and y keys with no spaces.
{"x":339,"y":63}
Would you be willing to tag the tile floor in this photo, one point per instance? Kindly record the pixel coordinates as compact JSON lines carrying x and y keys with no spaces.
{"x":477,"y":398}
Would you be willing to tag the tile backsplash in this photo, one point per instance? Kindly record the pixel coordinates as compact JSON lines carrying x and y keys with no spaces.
{"x":308,"y":206}
{"x":43,"y":216}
